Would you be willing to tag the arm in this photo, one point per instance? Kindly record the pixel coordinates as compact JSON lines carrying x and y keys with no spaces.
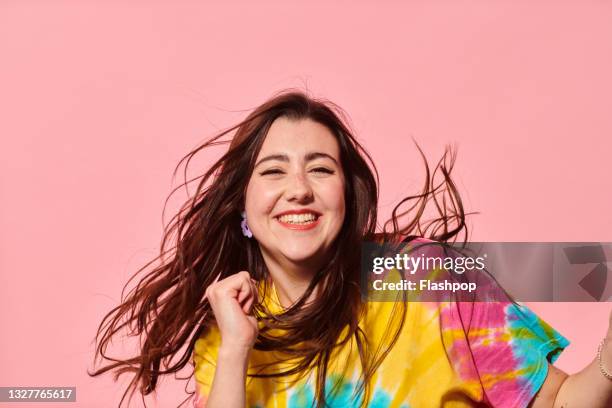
{"x":228,"y":387}
{"x":231,"y":301}
{"x":586,"y":388}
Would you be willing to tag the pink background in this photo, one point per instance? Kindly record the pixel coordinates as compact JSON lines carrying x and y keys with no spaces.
{"x":99,"y":101}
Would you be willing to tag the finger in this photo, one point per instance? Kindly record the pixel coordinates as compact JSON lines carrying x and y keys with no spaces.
{"x":255,"y":290}
{"x":227,"y":301}
{"x":246,"y":308}
{"x":234,"y":282}
{"x":213,"y":282}
{"x":236,"y":287}
{"x":252,"y":298}
{"x":246,"y":289}
{"x":245,"y":292}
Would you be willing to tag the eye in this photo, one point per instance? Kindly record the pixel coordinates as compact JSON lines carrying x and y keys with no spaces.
{"x":271,"y":171}
{"x":322,"y":170}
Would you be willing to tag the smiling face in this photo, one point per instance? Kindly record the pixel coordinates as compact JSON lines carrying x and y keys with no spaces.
{"x":295,"y":197}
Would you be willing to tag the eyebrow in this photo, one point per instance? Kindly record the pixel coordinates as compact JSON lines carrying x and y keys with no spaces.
{"x":284,"y":158}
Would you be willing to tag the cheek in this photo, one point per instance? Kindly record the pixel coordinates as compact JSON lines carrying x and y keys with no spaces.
{"x":334,"y":198}
{"x":260,"y":199}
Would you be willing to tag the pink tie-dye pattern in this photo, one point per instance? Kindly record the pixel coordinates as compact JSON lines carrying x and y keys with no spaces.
{"x":479,"y":346}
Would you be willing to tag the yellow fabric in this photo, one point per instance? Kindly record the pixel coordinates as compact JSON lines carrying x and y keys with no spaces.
{"x":417,"y":371}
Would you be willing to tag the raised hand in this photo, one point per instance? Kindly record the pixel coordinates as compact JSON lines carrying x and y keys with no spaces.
{"x":232,"y":300}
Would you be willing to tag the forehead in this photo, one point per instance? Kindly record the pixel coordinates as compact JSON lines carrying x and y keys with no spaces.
{"x":299,"y":136}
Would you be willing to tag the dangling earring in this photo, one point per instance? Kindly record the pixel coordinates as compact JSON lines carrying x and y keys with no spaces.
{"x":245,"y":227}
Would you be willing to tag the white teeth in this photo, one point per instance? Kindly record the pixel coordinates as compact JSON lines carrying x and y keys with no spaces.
{"x":297,"y":218}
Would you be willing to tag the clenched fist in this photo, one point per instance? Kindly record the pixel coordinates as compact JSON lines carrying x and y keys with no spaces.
{"x":232,"y":300}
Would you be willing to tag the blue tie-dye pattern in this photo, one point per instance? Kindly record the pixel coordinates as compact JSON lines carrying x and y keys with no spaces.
{"x":342,"y":396}
{"x":380,"y":400}
{"x":532,"y":339}
{"x":303,"y":397}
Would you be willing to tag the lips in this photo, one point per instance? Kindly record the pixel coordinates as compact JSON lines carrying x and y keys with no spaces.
{"x":299,"y":220}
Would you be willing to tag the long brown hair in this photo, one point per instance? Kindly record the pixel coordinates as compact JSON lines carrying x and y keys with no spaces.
{"x":167,"y":309}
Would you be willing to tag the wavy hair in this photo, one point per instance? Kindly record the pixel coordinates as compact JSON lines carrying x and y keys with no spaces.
{"x":167,"y":309}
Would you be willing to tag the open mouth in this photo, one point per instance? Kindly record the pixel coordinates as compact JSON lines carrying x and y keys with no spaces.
{"x":298,"y":219}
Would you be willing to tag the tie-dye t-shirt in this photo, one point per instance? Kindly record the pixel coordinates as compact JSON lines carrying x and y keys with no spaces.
{"x":448,"y":354}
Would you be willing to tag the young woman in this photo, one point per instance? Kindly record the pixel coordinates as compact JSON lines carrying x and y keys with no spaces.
{"x":261,"y":290}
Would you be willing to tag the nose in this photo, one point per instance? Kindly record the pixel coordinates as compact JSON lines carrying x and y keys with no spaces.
{"x":299,"y":188}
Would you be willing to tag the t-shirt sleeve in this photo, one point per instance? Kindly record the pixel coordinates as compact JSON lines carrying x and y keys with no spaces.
{"x":205,"y":361}
{"x":504,"y":346}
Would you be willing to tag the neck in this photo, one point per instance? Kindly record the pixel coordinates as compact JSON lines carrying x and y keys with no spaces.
{"x":290,"y":279}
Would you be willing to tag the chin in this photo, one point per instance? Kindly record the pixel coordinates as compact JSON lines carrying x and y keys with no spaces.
{"x":301,"y":255}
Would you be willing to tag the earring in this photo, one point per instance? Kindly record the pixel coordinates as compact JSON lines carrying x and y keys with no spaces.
{"x":245,"y":227}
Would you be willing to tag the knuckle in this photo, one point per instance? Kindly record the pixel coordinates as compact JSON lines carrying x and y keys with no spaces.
{"x":214,"y":291}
